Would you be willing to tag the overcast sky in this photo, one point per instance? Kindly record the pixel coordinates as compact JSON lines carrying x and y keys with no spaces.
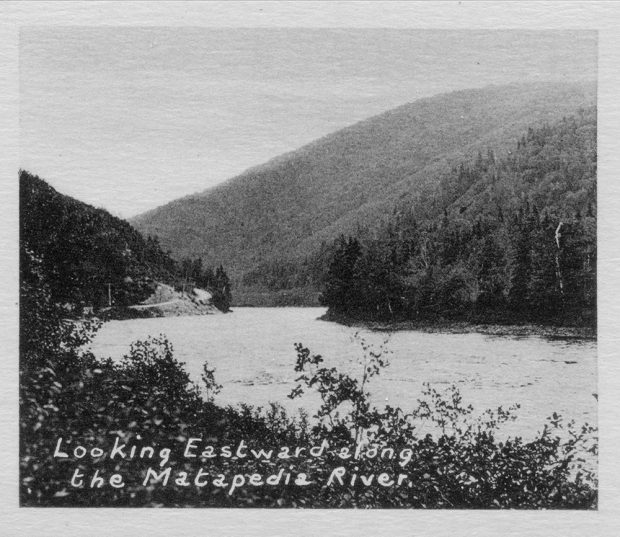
{"x":131,"y":118}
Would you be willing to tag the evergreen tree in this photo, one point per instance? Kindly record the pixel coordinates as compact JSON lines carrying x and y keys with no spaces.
{"x":341,"y":275}
{"x":222,"y":294}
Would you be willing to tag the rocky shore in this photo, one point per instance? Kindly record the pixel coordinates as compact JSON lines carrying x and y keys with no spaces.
{"x":462,"y":327}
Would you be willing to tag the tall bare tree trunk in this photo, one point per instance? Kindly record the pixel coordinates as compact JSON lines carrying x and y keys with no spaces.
{"x":558,"y":268}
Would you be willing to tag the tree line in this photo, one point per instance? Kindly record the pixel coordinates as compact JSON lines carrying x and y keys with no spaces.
{"x":216,"y":281}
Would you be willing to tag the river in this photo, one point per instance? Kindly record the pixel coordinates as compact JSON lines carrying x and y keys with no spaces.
{"x":253,"y":353}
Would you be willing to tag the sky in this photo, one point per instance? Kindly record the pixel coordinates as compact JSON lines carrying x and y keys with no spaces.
{"x":131,"y":118}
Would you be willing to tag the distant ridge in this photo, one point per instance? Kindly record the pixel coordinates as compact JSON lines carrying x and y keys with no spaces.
{"x":284,"y":209}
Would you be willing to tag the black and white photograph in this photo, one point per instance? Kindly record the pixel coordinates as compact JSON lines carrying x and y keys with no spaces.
{"x":301,"y":268}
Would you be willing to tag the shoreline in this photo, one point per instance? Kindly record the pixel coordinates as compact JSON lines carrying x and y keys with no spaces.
{"x":465,"y":327}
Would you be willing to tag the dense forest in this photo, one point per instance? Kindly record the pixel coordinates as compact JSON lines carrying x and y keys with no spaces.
{"x":498,"y":239}
{"x":89,"y":258}
{"x":271,"y":225}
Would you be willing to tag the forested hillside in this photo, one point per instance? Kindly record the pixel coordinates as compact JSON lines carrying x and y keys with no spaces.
{"x":84,"y":256}
{"x":498,"y":239}
{"x":269,"y":225}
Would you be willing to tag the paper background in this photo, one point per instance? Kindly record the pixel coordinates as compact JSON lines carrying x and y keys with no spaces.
{"x":601,"y":16}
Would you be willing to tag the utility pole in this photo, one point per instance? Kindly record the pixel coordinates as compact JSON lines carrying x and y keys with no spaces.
{"x":109,"y":284}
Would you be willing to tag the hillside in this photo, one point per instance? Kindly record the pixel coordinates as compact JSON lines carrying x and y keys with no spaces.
{"x":85,"y":257}
{"x":279,"y":214}
{"x":500,"y":239}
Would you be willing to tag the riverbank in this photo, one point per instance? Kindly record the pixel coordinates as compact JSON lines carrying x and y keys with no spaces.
{"x":464,"y":327}
{"x":165,"y":302}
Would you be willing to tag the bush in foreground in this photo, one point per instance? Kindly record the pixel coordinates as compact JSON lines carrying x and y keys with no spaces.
{"x":147,"y":422}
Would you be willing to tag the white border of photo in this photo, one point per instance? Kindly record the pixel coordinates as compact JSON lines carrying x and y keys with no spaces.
{"x":593,"y":15}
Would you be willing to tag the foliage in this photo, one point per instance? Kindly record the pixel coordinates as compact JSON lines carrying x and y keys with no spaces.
{"x":82,"y":249}
{"x":88,"y":256}
{"x":338,"y":389}
{"x":212,"y":388}
{"x":508,"y":239}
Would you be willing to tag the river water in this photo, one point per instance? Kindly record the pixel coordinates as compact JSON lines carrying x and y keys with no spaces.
{"x":253,"y":353}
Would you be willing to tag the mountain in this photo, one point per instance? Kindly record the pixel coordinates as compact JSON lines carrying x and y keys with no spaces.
{"x":279,"y":216}
{"x":78,"y":249}
{"x":507,"y":239}
{"x":85,"y":257}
